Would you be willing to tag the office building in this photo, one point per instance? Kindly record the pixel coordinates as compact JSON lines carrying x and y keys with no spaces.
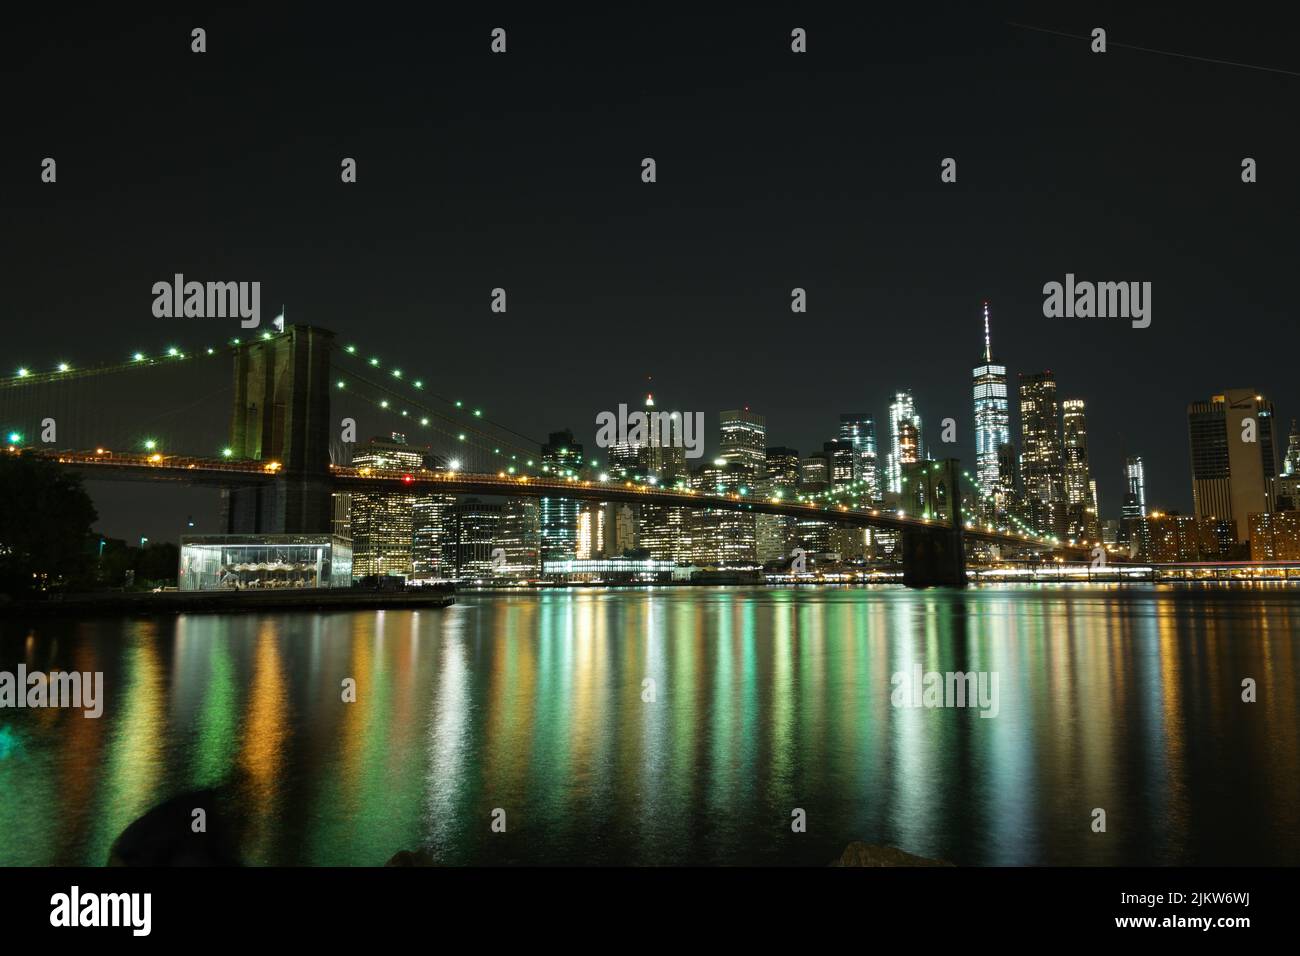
{"x":858,"y":429}
{"x":841,"y":459}
{"x":382,"y":523}
{"x":1080,"y":491}
{"x":743,"y":441}
{"x":475,"y":527}
{"x":520,"y":540}
{"x":723,"y":538}
{"x":430,"y":518}
{"x":1234,"y":462}
{"x":902,"y":413}
{"x":558,"y":517}
{"x":1042,"y":467}
{"x":992,"y":417}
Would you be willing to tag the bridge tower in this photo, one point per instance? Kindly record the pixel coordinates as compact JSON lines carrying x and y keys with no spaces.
{"x":934,"y":557}
{"x":282,"y":413}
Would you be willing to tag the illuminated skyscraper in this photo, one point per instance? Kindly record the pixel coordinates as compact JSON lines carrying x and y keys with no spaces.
{"x":783,"y":470}
{"x":561,"y":458}
{"x":473,"y":532}
{"x":1079,"y":490}
{"x":859,"y":430}
{"x":1134,"y":509}
{"x":743,"y":441}
{"x":382,"y":524}
{"x":520,"y":539}
{"x":841,"y":457}
{"x":1042,"y":468}
{"x":992,"y":416}
{"x":721,"y":538}
{"x":902,"y":412}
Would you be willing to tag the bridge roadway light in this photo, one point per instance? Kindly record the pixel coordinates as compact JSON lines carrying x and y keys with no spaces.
{"x":150,"y":444}
{"x":227,"y":452}
{"x":63,"y":366}
{"x":138,"y":357}
{"x":15,"y":438}
{"x":173,"y":351}
{"x":23,"y":373}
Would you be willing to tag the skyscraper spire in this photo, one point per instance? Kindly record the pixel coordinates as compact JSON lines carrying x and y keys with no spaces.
{"x":988,"y":348}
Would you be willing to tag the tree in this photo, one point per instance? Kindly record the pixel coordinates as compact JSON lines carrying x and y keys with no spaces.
{"x":45,"y":516}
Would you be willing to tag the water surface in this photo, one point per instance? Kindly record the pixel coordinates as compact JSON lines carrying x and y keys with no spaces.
{"x":1127,"y":699}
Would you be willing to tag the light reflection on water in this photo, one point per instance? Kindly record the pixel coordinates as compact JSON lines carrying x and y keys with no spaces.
{"x":1127,"y":699}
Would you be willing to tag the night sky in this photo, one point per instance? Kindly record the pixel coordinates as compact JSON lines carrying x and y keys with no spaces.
{"x":775,"y":170}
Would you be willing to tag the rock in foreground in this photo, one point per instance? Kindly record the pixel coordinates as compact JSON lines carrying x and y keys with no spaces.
{"x":858,"y":853}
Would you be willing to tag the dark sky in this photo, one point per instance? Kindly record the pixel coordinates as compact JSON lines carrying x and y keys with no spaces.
{"x":775,"y":170}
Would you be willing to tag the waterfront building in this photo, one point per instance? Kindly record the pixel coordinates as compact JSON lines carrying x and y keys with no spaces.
{"x":382,"y":523}
{"x":558,"y":517}
{"x":1275,"y":536}
{"x":1234,"y":463}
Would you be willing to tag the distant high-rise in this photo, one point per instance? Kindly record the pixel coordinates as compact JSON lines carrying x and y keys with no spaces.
{"x":1042,"y":469}
{"x":841,"y":457}
{"x":772,"y":532}
{"x":743,"y":441}
{"x":814,"y":473}
{"x":902,"y":411}
{"x":722,"y":538}
{"x":591,"y":531}
{"x":430,"y":521}
{"x":1134,"y":508}
{"x":561,"y":458}
{"x":992,"y":416}
{"x":1079,"y":489}
{"x":663,"y":455}
{"x":520,"y":539}
{"x":859,"y":430}
{"x":1234,"y":461}
{"x":475,"y":528}
{"x":383,"y":523}
{"x":1291,"y":464}
{"x":782,"y":469}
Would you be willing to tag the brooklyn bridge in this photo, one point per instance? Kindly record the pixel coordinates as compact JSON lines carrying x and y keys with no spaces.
{"x":281,"y":461}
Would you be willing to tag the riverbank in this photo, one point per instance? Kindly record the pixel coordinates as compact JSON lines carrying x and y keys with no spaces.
{"x":228,"y":602}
